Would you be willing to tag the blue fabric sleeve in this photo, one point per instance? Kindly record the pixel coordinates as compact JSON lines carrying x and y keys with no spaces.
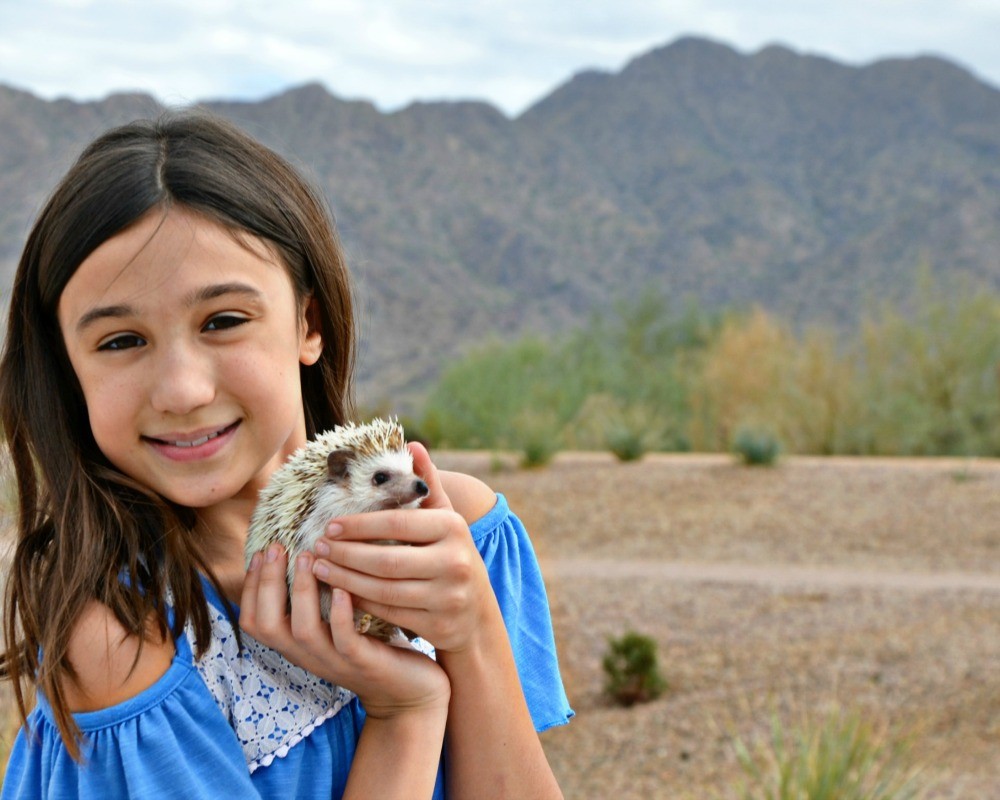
{"x":510,"y":560}
{"x":168,"y":741}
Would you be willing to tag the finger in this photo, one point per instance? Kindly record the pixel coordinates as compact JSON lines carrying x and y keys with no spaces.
{"x":347,"y":641}
{"x":392,"y":561}
{"x":248,"y":597}
{"x":406,"y":525}
{"x":426,"y":469}
{"x":272,"y":594}
{"x":394,"y":593}
{"x":307,"y":625}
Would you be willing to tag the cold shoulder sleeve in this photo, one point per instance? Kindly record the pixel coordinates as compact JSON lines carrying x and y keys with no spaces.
{"x":516,"y":578}
{"x":168,"y":741}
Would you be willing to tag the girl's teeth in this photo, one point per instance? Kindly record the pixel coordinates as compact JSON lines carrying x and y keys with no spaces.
{"x":195,"y":442}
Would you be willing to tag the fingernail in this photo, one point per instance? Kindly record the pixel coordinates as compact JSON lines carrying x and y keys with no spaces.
{"x":254,"y":562}
{"x":302,"y":562}
{"x":334,"y":529}
{"x":338,"y":596}
{"x":320,"y":570}
{"x":322,"y":548}
{"x":272,"y":553}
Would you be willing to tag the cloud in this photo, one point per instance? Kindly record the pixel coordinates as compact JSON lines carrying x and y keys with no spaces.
{"x":511,"y":53}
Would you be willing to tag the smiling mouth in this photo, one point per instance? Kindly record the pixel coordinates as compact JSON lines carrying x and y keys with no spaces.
{"x":188,"y":443}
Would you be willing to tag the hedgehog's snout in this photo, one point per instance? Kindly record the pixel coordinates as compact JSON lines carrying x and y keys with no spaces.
{"x":420,"y":488}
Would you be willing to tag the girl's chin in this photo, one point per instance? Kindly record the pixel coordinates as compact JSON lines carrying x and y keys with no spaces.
{"x":197,"y":497}
{"x":204,"y":497}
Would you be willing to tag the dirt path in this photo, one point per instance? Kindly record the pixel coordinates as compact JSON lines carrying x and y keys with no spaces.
{"x":779,"y":576}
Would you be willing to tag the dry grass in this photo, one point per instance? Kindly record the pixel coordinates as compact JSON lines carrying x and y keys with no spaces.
{"x":924,"y":660}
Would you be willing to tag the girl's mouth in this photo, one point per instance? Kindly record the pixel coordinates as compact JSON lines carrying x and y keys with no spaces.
{"x":183,"y":449}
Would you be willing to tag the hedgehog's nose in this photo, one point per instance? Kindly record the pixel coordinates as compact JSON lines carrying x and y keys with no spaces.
{"x":421,"y":489}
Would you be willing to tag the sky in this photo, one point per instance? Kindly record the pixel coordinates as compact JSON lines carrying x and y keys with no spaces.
{"x":509,"y":53}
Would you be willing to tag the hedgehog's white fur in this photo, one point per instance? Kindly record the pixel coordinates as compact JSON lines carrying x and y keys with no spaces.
{"x":303,"y":495}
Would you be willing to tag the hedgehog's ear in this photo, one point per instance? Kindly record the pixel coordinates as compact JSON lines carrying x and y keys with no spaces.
{"x":338,"y":463}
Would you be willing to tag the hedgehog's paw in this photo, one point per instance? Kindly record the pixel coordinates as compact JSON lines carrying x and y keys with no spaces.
{"x":363,"y":623}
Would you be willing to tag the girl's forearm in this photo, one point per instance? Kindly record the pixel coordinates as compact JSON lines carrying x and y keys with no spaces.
{"x":397,"y":758}
{"x":492,"y":749}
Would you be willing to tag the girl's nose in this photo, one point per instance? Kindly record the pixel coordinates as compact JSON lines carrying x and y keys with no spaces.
{"x":183,"y":380}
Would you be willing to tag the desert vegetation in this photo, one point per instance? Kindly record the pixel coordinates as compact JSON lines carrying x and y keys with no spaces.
{"x":919,"y":378}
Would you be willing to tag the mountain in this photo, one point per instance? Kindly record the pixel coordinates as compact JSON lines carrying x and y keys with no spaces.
{"x":810,"y":187}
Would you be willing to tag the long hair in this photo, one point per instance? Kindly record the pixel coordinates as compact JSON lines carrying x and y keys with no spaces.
{"x":84,"y":529}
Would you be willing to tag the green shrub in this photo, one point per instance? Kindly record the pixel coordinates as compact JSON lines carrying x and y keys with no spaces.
{"x":839,"y":757}
{"x":536,"y":435}
{"x":626,"y":444}
{"x":537,"y":450}
{"x":631,"y":671}
{"x":756,"y":447}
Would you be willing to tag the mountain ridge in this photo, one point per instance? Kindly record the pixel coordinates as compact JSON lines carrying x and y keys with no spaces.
{"x":791,"y":181}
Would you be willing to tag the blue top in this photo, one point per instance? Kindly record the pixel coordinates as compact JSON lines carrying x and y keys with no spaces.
{"x":250,"y":724}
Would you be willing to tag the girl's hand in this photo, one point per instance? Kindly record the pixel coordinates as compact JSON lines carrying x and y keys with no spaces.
{"x":439,"y":588}
{"x":390,"y":681}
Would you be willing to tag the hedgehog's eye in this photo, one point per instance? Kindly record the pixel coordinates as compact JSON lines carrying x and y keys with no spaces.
{"x":380,"y":477}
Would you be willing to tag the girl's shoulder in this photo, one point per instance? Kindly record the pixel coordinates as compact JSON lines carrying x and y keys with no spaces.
{"x":110,"y":664}
{"x":469,"y":496}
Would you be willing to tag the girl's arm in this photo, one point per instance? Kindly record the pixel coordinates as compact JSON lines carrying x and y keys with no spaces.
{"x":404,"y":693}
{"x":441,"y":590}
{"x":483,"y":716}
{"x":104,"y":657}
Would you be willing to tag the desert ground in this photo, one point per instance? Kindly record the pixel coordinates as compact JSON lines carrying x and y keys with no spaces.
{"x":867,"y":585}
{"x":864,"y":585}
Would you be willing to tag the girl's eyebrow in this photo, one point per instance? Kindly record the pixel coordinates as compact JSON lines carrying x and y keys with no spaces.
{"x":192,"y":299}
{"x":102,"y":312}
{"x":219,"y":289}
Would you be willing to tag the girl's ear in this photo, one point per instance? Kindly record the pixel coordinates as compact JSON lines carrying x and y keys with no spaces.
{"x":312,"y":341}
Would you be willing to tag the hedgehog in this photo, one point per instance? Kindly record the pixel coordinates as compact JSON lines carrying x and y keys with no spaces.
{"x":349,"y":470}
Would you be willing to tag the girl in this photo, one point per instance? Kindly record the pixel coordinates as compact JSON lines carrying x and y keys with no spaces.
{"x":180,"y":323}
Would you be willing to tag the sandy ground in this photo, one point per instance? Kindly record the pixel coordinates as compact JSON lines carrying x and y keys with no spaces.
{"x":854,"y":584}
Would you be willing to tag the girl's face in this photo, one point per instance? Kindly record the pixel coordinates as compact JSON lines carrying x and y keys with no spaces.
{"x":187,"y":345}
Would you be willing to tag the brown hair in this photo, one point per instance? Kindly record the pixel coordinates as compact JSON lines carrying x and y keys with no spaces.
{"x":85,"y":529}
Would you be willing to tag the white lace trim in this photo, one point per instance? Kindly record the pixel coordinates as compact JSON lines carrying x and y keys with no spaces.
{"x":270,"y":703}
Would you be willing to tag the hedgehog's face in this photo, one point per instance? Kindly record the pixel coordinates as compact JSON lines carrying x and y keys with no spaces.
{"x":376,"y":482}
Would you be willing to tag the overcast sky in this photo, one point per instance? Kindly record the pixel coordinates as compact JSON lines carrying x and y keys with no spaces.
{"x":508,"y":52}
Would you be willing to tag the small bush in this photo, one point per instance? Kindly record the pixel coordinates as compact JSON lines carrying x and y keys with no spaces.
{"x":840,"y":757}
{"x":756,"y":447}
{"x":626,"y":444}
{"x":537,"y":451}
{"x":536,"y":435}
{"x":631,"y":670}
{"x":498,"y":463}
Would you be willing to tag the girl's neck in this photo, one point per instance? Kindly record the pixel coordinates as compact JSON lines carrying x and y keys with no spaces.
{"x":224,"y":528}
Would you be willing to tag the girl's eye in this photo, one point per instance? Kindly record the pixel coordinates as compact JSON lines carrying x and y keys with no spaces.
{"x":221,"y":322}
{"x":124,"y":342}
